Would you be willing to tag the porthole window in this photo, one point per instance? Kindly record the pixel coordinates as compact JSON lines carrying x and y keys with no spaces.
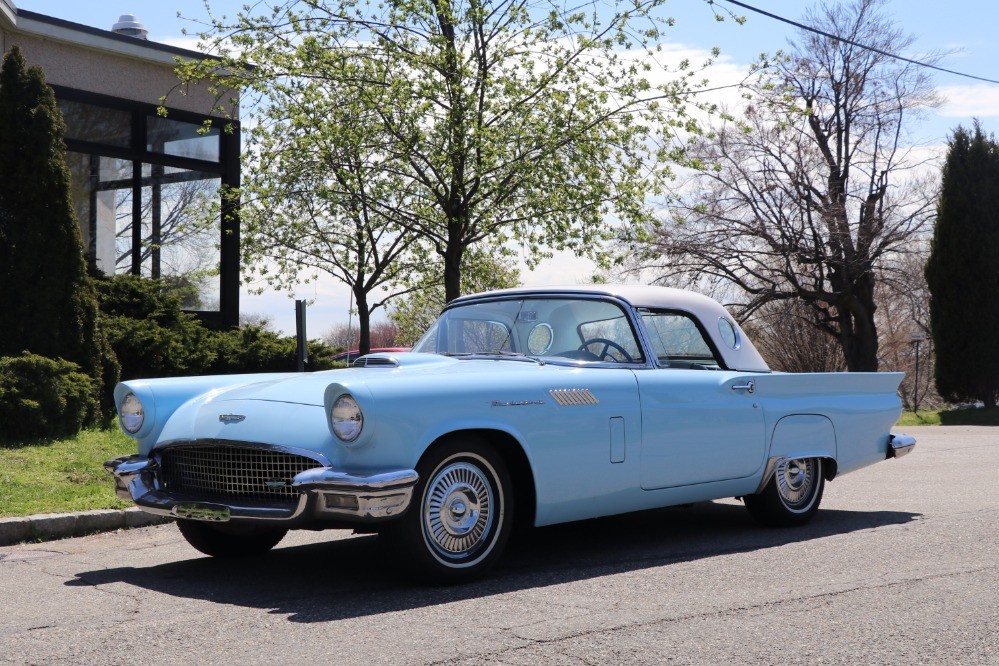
{"x":540,"y":339}
{"x":729,"y":333}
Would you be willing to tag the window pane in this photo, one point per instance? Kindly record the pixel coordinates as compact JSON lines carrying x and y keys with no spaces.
{"x":99,"y":124}
{"x":181,"y":139}
{"x":181,"y":233}
{"x":114,"y":215}
{"x":608,"y":336}
{"x":475,"y":337}
{"x":101,"y":190}
{"x":575,"y":329}
{"x":677,"y":341}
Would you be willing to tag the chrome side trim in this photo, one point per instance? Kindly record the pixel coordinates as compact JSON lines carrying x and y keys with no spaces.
{"x":768,"y":472}
{"x":899,"y":445}
{"x":364,"y":498}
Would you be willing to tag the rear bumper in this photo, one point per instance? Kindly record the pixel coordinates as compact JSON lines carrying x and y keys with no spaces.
{"x":324,"y":494}
{"x":900,"y":445}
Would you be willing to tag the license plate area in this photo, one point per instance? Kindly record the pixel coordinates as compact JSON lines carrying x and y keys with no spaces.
{"x":215,"y":513}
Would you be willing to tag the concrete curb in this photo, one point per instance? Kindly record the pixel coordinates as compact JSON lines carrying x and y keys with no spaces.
{"x":49,"y":526}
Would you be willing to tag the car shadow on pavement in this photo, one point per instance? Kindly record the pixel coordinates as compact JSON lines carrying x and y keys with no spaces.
{"x":356,"y":577}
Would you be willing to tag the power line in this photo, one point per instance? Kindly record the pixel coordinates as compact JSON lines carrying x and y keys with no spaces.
{"x":858,"y":45}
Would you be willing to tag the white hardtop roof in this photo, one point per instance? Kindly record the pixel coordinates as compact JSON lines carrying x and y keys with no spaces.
{"x":639,"y":295}
{"x":707,"y":310}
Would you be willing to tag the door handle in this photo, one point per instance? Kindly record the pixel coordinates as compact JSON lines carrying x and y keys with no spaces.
{"x":749,"y":386}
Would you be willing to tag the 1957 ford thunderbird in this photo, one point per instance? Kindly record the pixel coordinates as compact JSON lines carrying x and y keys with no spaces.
{"x":536,"y":405}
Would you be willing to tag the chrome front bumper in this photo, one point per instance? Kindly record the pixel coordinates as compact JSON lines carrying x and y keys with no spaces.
{"x":900,"y":445}
{"x":325,"y":494}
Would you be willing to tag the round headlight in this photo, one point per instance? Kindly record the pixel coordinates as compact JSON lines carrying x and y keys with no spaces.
{"x":346,"y":418}
{"x":131,"y":414}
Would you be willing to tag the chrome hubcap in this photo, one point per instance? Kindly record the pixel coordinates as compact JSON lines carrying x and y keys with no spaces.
{"x":457,"y":511}
{"x":795,"y":480}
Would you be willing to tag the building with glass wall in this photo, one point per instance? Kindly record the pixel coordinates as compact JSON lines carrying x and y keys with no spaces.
{"x":148,"y":189}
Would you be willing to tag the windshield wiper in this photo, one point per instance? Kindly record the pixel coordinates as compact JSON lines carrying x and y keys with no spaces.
{"x":519,"y":356}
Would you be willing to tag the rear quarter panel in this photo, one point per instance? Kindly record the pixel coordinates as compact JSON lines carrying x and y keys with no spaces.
{"x":862,"y":408}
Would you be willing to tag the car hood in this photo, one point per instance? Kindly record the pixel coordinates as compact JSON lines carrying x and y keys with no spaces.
{"x":309,"y":388}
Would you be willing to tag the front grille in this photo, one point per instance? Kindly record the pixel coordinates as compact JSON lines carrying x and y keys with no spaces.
{"x":232,"y":472}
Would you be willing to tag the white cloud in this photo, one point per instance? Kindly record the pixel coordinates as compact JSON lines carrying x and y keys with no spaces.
{"x":978,"y":101}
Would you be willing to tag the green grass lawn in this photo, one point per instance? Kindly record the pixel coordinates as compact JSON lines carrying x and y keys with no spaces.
{"x":980,"y":417}
{"x":56,"y":476}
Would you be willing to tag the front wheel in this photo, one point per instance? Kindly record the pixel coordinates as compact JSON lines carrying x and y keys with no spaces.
{"x":792,"y":496}
{"x":460,"y":521}
{"x":229,"y":541}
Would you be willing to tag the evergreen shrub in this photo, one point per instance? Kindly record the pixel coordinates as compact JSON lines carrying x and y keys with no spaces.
{"x":153,"y":337}
{"x":150,"y":335}
{"x":46,"y":297}
{"x":253,"y":349}
{"x":962,"y":272}
{"x":43,"y":397}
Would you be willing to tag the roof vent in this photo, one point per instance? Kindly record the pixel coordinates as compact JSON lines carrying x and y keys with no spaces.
{"x":129,"y":25}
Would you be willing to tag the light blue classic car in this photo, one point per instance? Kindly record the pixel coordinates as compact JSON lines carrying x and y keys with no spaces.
{"x":538,"y":406}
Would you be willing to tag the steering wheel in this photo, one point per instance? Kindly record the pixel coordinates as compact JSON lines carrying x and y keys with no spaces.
{"x":608,"y":345}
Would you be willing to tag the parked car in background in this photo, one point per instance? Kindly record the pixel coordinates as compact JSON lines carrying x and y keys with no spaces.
{"x":539,"y":406}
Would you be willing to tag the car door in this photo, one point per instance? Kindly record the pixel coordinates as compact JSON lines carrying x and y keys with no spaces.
{"x":700,"y":422}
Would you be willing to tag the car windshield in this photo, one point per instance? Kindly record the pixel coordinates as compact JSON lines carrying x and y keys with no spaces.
{"x":578,"y":329}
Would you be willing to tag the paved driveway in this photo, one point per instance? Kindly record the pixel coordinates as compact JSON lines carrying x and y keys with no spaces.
{"x":901,"y":566}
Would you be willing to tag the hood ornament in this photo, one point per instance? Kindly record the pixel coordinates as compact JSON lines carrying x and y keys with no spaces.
{"x":231,"y":418}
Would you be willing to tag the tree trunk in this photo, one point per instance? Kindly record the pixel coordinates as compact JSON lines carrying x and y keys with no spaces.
{"x":363,"y":321}
{"x":453,"y":253}
{"x":858,"y":332}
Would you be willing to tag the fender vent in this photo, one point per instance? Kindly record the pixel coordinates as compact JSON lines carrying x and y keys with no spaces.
{"x":375,"y":362}
{"x":573,"y":397}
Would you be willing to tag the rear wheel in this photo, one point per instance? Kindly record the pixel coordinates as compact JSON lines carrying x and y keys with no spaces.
{"x":230,"y":541}
{"x":792,"y":496}
{"x":462,"y":514}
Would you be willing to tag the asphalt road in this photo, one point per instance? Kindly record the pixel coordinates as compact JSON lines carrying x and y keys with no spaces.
{"x":900,"y":567}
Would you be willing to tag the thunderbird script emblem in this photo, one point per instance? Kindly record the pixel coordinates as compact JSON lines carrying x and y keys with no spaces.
{"x":231,"y":418}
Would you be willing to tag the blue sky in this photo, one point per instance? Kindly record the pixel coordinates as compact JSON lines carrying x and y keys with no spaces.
{"x":965,"y":27}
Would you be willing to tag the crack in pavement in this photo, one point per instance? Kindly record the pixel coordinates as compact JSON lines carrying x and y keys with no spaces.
{"x":533,"y":642}
{"x":135,"y":597}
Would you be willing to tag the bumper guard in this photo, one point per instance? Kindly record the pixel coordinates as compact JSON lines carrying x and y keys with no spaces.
{"x":900,"y":445}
